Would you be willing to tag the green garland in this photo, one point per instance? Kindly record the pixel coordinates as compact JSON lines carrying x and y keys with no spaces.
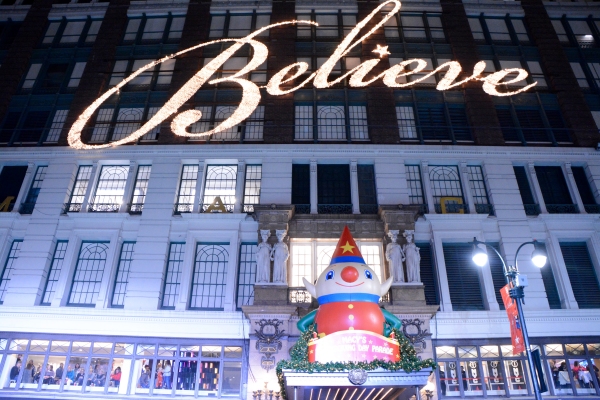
{"x":299,"y":360}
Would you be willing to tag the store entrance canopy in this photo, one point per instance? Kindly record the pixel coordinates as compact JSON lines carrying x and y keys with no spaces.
{"x":378,"y":385}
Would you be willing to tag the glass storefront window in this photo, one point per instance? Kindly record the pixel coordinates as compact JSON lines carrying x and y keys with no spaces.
{"x":142,"y":376}
{"x":39,"y":345}
{"x":489,"y":351}
{"x":119,"y":372}
{"x":507,"y":351}
{"x":81,"y":347}
{"x":186,"y":377}
{"x":467,"y":351}
{"x":445,"y":352}
{"x":146,"y":349}
{"x":582,"y":377}
{"x":124,"y":349}
{"x":9,"y":373}
{"x":97,"y":375}
{"x":54,"y":373}
{"x":18,"y":345}
{"x":102,"y":348}
{"x":33,"y":372}
{"x":165,"y":350}
{"x":60,"y":346}
{"x":211,"y":351}
{"x":515,"y":377}
{"x":471,"y":378}
{"x":233,"y":352}
{"x":79,"y":364}
{"x":553,"y":350}
{"x":232,"y":378}
{"x":593,"y":348}
{"x":494,"y":380}
{"x":449,"y":379}
{"x":209,"y":377}
{"x":3,"y":344}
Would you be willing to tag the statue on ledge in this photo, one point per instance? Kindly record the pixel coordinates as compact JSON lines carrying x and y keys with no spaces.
{"x":280,"y":255}
{"x":263,"y":258}
{"x":413,"y":258}
{"x":395,"y":256}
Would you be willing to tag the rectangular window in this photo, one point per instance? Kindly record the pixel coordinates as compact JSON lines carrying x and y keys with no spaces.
{"x":79,"y":190}
{"x":110,"y":188}
{"x":463,"y":277}
{"x":498,"y":30}
{"x":34,"y":190}
{"x":173,"y":275}
{"x":560,"y":32}
{"x":580,"y":75}
{"x":583,"y":185}
{"x":447,"y":189}
{"x":9,"y":267}
{"x":33,"y":127}
{"x":122,"y":277}
{"x":595,"y":70}
{"x":187,"y":189}
{"x":529,"y":203}
{"x":428,"y":273}
{"x":252,"y":187}
{"x":550,"y":285}
{"x":479,"y":190}
{"x":358,"y":122}
{"x":140,"y":188}
{"x":92,"y":32}
{"x":88,"y":273}
{"x":72,"y":32}
{"x":582,"y":32}
{"x":582,"y":274}
{"x":333,"y":189}
{"x":129,"y":119}
{"x":497,"y":271}
{"x":555,"y":190}
{"x":58,"y":121}
{"x":51,"y":32}
{"x":246,"y":275}
{"x":76,"y":74}
{"x":54,"y":273}
{"x":220,"y":186}
{"x":476,"y":30}
{"x":406,"y":122}
{"x":520,"y":30}
{"x":54,"y":77}
{"x":304,"y":123}
{"x":154,"y":29}
{"x":32,"y":74}
{"x":301,"y":188}
{"x":415,"y":184}
{"x":367,"y":193}
{"x":210,"y":276}
{"x":432,"y":122}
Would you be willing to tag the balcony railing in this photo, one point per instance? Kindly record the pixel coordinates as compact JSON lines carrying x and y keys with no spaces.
{"x":453,"y":208}
{"x":204,"y":208}
{"x":592,"y":208}
{"x":532,"y":209}
{"x":104,"y":207}
{"x":334,"y":208}
{"x":369,"y":208}
{"x":26,"y":208}
{"x":562,"y":208}
{"x":248,"y":208}
{"x":71,"y":207}
{"x":302,"y":208}
{"x":299,"y":295}
{"x":135,"y":208}
{"x":484,"y":209}
{"x":182,"y":208}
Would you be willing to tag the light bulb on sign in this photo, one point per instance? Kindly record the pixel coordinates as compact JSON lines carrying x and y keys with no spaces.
{"x":251,"y":93}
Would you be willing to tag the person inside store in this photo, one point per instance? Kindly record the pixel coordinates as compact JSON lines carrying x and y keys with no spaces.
{"x":144,"y":381}
{"x":79,"y":377}
{"x":115,"y":378}
{"x":159,"y":376}
{"x":70,"y":375}
{"x":464,"y":378}
{"x":14,"y":371}
{"x":100,"y":378}
{"x":28,"y":373}
{"x":37,"y":374}
{"x":59,"y":374}
{"x":167,"y":375}
{"x":49,"y":375}
{"x":92,"y":375}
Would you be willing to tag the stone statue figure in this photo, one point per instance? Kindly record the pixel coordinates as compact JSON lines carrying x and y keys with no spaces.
{"x":263,"y":258}
{"x":280,"y":255}
{"x":395,"y":256}
{"x":413,"y":258}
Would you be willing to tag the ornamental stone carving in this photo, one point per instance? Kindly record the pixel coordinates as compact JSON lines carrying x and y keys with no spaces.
{"x":263,"y":258}
{"x":395,"y":256}
{"x":279,"y":256}
{"x":413,"y":258}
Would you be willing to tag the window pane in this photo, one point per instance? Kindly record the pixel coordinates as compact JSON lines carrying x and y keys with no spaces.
{"x":220,"y":182}
{"x":515,"y":376}
{"x":493,"y":376}
{"x":301,"y":264}
{"x":110,"y":188}
{"x":210,"y":273}
{"x":88,"y":273}
{"x":173,"y":276}
{"x":209,"y":378}
{"x":119,"y":372}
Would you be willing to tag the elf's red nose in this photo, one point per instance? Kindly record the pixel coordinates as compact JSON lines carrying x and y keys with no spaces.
{"x":349,"y":274}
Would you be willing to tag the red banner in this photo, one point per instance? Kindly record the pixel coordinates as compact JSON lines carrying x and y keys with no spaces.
{"x":345,"y":346}
{"x":516,"y":334}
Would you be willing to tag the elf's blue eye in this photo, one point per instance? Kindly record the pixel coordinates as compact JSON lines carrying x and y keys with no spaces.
{"x":368,"y":274}
{"x":329,"y":275}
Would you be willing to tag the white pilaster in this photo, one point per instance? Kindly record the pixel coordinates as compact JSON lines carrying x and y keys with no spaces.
{"x":313,"y":187}
{"x":239,"y":187}
{"x":573,"y":188}
{"x":427,"y":187}
{"x":536,"y":188}
{"x":127,"y":191}
{"x":466,"y":186}
{"x":90,"y":187}
{"x":354,"y":187}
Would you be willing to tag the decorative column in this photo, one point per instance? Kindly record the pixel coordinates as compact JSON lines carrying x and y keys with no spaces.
{"x":354,"y":187}
{"x":90,"y":187}
{"x":537,"y":189}
{"x":128,"y":190}
{"x":313,"y":188}
{"x":239,"y":188}
{"x":467,"y":187}
{"x":31,"y":167}
{"x":427,"y":187}
{"x":196,"y":207}
{"x":573,"y":188}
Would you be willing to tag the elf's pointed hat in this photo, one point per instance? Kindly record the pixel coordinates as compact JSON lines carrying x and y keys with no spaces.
{"x":346,"y":250}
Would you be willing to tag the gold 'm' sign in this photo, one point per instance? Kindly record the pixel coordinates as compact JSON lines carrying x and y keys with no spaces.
{"x":251,"y":92}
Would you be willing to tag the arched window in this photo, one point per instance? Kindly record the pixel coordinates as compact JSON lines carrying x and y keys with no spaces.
{"x":210,"y":274}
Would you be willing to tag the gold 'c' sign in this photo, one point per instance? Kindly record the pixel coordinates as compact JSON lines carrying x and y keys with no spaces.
{"x":320,"y":78}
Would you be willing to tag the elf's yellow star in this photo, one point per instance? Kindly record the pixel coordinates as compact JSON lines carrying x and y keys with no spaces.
{"x":347,"y":247}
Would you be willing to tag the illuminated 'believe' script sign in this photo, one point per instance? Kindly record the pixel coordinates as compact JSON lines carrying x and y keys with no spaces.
{"x":320,"y":78}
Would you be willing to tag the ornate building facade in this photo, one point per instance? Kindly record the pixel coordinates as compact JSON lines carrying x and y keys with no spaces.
{"x":132,"y":270}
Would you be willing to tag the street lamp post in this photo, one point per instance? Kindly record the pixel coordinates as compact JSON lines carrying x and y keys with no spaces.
{"x":538,"y":257}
